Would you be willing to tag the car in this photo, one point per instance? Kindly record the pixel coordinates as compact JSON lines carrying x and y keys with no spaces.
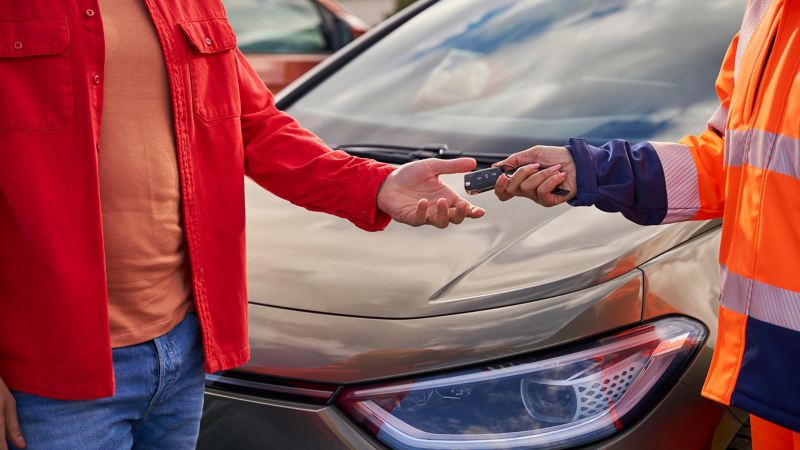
{"x":283,"y":39}
{"x":532,"y":328}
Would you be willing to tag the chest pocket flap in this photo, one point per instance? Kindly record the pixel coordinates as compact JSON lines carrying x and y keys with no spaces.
{"x":215,"y":86}
{"x":33,"y":37}
{"x":35,"y":74}
{"x":210,"y":35}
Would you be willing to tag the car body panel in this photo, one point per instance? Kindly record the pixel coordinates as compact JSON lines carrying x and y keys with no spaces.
{"x":344,"y":350}
{"x":696,"y":262}
{"x":517,"y":253}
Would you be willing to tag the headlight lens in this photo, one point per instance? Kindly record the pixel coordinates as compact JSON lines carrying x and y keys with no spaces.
{"x":564,"y":399}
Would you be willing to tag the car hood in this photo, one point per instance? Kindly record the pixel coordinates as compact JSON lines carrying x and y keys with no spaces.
{"x":518,"y":252}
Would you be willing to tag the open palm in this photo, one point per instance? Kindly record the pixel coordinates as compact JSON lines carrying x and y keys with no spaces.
{"x":414,"y":195}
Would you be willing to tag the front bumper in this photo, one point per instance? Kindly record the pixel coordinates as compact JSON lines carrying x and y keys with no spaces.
{"x":238,"y":422}
{"x":682,"y":420}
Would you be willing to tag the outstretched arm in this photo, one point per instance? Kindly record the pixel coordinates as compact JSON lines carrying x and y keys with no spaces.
{"x":294,"y":164}
{"x":649,"y":183}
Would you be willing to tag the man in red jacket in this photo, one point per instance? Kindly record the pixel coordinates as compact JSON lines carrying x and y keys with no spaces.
{"x":122,"y":263}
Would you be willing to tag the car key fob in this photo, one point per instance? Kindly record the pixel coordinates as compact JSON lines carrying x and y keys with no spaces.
{"x":481,"y":180}
{"x":484,"y":180}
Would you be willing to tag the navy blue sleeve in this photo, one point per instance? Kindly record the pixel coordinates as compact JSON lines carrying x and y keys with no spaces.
{"x":618,"y":177}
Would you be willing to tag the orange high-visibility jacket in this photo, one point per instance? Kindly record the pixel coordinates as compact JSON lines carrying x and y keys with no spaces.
{"x":746,"y":168}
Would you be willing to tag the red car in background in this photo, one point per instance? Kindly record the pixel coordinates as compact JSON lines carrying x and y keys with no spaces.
{"x":283,"y":39}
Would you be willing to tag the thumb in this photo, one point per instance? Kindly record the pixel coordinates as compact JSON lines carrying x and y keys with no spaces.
{"x":510,"y":161}
{"x":520,"y":159}
{"x":444,"y":166}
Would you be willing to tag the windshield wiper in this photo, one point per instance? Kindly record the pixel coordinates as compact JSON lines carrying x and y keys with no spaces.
{"x":407,"y":153}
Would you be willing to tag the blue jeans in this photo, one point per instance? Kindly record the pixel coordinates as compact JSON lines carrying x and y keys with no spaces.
{"x":157,"y":405}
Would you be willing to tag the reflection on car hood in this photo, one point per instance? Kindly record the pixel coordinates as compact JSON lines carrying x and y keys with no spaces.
{"x":519,"y":252}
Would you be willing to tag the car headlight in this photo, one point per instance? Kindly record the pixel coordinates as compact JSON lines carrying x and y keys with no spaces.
{"x":562,"y":399}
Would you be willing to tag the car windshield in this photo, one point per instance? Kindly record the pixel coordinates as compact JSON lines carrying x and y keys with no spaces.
{"x":501,"y":75}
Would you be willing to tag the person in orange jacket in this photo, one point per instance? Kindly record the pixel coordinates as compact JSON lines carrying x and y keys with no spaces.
{"x":744,"y":167}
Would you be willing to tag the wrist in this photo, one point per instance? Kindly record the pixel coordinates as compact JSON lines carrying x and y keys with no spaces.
{"x":585,"y":178}
{"x":383,"y":195}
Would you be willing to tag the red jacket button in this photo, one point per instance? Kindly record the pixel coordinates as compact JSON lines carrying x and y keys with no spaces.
{"x":96,"y":79}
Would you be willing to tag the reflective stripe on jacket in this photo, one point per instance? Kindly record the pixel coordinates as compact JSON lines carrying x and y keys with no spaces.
{"x":54,"y":336}
{"x":745,"y":167}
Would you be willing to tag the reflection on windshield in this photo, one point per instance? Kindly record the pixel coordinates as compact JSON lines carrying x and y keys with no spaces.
{"x":509,"y":73}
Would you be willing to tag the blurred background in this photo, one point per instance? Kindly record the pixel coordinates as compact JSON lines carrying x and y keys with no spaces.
{"x":374,"y":11}
{"x":283,"y":39}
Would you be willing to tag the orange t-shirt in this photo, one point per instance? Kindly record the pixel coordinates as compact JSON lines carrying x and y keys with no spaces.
{"x":149,"y":287}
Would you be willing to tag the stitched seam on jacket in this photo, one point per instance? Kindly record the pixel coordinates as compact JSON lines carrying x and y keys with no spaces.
{"x":190,"y":217}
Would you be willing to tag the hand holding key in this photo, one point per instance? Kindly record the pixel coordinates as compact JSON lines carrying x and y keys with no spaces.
{"x":541,"y":172}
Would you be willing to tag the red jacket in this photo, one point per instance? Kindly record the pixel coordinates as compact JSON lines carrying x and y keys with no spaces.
{"x":54,"y":337}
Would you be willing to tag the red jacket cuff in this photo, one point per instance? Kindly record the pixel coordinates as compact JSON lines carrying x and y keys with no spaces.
{"x":370,"y":217}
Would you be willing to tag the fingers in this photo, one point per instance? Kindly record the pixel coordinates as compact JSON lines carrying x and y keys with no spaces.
{"x":545,"y":190}
{"x":9,"y":423}
{"x":510,"y":161}
{"x":421,"y":214}
{"x":542,"y":154}
{"x":464,"y":210}
{"x":445,"y":166}
{"x":535,"y":184}
{"x":13,"y":432}
{"x":500,"y":189}
{"x":458,"y":213}
{"x":520,"y":176}
{"x":521,"y":158}
{"x":441,"y":215}
{"x":474,"y":212}
{"x":441,"y":218}
{"x":530,"y":187}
